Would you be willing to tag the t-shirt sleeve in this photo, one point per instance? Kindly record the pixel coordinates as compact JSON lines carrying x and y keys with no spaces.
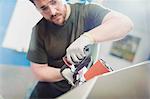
{"x":36,"y":52}
{"x":94,"y":15}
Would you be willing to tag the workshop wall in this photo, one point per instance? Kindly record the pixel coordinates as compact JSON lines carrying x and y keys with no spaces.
{"x":138,"y":11}
{"x":8,"y":56}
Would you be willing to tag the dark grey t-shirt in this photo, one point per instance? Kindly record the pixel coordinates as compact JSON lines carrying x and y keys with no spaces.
{"x":49,"y":42}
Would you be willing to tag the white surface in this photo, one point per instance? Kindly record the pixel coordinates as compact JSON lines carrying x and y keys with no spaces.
{"x":128,"y":83}
{"x":24,"y":17}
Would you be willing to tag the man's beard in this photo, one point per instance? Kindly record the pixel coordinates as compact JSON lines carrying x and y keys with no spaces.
{"x":56,"y":18}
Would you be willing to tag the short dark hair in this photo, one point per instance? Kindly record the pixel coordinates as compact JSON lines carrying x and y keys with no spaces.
{"x":32,"y":1}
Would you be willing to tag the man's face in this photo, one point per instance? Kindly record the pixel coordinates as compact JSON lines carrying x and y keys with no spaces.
{"x":52,"y":10}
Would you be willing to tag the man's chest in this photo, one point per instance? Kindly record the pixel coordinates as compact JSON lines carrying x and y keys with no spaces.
{"x":57,"y":41}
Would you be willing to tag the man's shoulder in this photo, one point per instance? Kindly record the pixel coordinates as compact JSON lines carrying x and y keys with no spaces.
{"x":84,"y":7}
{"x":77,"y":5}
{"x":39,"y":28}
{"x":83,"y":4}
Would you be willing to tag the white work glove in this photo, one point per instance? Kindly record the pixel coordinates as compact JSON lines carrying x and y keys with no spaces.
{"x":67,"y":74}
{"x":75,"y":52}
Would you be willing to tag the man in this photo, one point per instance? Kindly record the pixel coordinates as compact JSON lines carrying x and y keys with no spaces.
{"x":65,"y":30}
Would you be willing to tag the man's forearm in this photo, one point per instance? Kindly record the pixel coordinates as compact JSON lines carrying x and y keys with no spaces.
{"x":46,"y":73}
{"x":114,"y":26}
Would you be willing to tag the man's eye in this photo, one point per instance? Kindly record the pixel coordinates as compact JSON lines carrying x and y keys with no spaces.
{"x":45,"y":8}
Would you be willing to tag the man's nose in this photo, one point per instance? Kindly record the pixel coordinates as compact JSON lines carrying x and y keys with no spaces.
{"x":52,"y":10}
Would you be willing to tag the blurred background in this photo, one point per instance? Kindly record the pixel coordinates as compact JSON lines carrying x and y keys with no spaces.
{"x":17,"y":17}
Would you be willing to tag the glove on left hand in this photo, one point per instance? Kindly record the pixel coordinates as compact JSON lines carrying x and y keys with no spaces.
{"x":75,"y":52}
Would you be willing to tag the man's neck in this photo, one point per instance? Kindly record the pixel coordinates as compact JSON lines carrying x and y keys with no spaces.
{"x":68,"y":11}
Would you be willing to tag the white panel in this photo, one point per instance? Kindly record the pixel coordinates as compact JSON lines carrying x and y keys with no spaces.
{"x":18,"y":33}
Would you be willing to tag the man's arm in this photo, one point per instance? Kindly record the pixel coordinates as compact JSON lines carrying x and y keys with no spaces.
{"x":43,"y":72}
{"x":114,"y":26}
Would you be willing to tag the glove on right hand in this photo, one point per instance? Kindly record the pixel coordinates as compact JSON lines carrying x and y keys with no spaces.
{"x":67,"y":74}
